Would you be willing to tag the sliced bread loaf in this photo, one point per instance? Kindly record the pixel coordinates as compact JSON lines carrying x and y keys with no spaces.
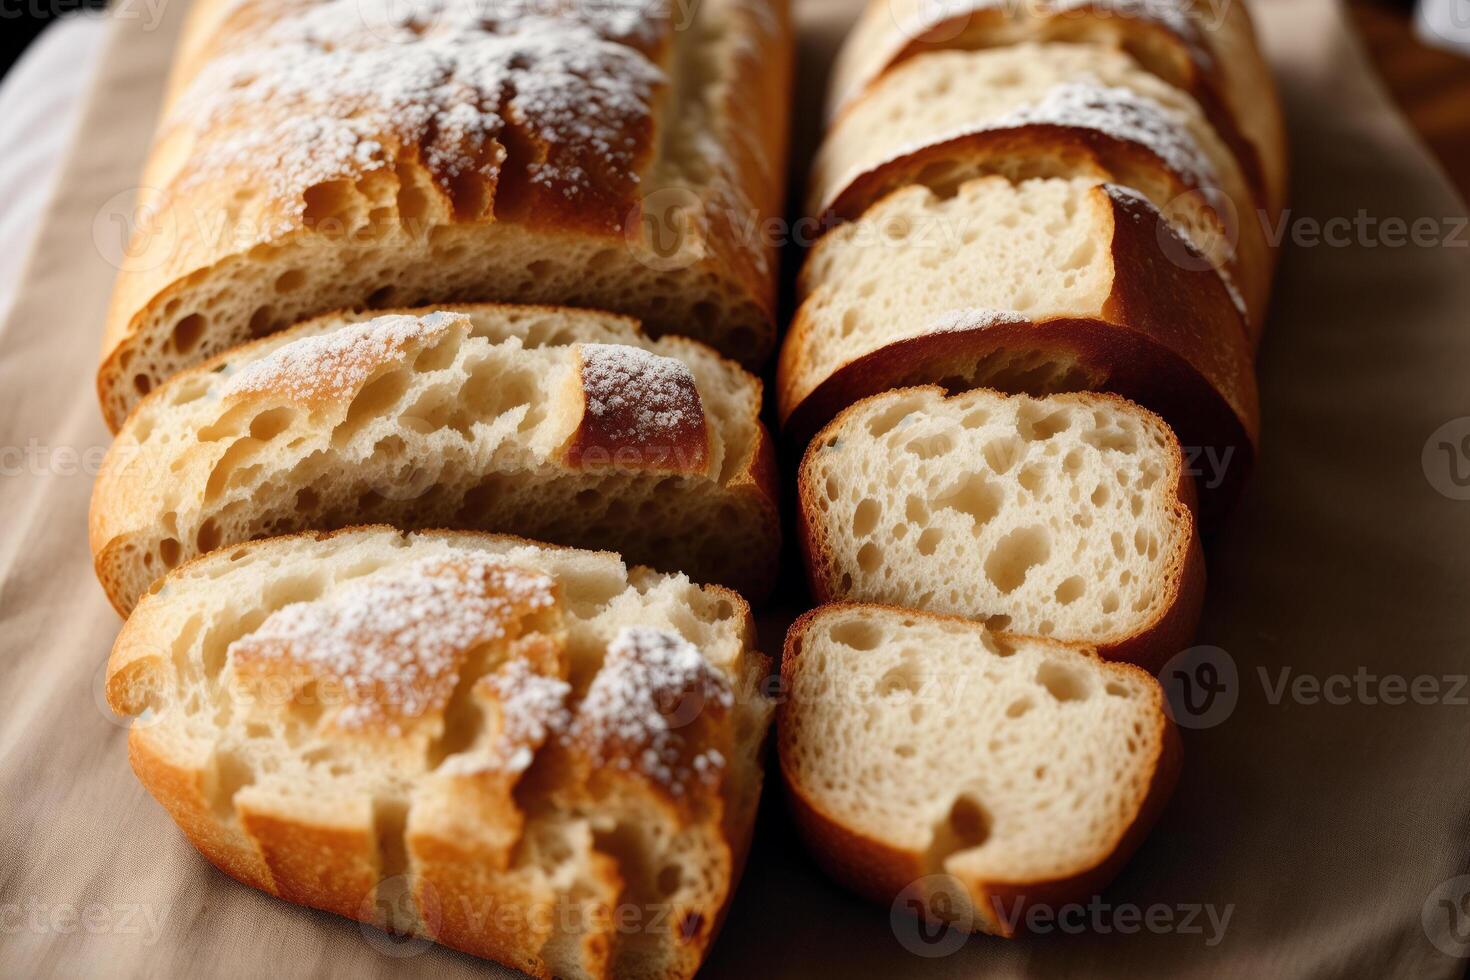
{"x":1201,"y":47}
{"x":532,"y":754}
{"x":925,"y":756}
{"x":1039,"y":286}
{"x":1067,"y":516}
{"x":320,"y":155}
{"x":1048,"y":110}
{"x":566,"y":425}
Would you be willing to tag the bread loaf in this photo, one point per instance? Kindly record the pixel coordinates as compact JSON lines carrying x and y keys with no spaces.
{"x":924,"y":755}
{"x":565,"y":425}
{"x":1039,"y":286}
{"x":324,"y":154}
{"x":1048,"y":110}
{"x":1066,"y":517}
{"x":1204,"y":48}
{"x":532,"y":754}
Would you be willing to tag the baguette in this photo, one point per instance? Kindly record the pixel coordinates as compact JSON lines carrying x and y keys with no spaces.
{"x":561,"y":424}
{"x":1041,"y":286}
{"x":1201,"y":47}
{"x":324,"y":154}
{"x":925,"y":755}
{"x":532,"y":754}
{"x":1049,"y":110}
{"x":1067,"y":517}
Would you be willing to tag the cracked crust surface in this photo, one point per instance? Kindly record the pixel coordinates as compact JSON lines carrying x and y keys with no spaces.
{"x":321,"y":154}
{"x":566,"y":425}
{"x":495,"y":744}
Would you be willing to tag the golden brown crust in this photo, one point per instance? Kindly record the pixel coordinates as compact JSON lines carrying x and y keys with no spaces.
{"x":464,"y":892}
{"x":126,"y":496}
{"x":880,"y":872}
{"x":1148,"y":647}
{"x":215,"y":216}
{"x":1221,"y":66}
{"x":1168,"y":338}
{"x":634,"y":416}
{"x":1049,"y":150}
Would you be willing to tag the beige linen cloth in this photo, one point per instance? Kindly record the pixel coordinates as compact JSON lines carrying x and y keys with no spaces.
{"x":1310,"y":836}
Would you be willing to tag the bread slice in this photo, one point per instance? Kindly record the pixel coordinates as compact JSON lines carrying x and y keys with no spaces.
{"x":338,"y":154}
{"x":1201,"y":47}
{"x":927,"y":757}
{"x":1048,"y":110}
{"x":532,"y":754}
{"x":567,"y":425}
{"x":1041,"y":286}
{"x":1067,"y":516}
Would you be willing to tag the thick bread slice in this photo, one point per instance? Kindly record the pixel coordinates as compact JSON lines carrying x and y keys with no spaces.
{"x":533,"y":754}
{"x":567,"y":425}
{"x":1043,"y":286}
{"x":321,"y":154}
{"x":925,"y":755}
{"x":1048,"y":110}
{"x":1066,"y":517}
{"x":1204,"y":47}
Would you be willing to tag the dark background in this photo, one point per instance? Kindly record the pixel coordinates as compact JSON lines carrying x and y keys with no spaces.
{"x":22,"y":20}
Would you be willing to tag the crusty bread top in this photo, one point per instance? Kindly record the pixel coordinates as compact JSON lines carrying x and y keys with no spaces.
{"x":555,"y":422}
{"x":936,"y":96}
{"x":319,"y":154}
{"x":1066,"y":516}
{"x":500,"y":723}
{"x":1204,"y":48}
{"x":1049,"y":110}
{"x":918,"y":745}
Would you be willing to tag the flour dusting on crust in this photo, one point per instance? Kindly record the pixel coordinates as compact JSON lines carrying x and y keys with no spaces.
{"x":333,"y":364}
{"x":333,"y":89}
{"x":1172,"y":15}
{"x":642,"y":706}
{"x":396,"y":641}
{"x":532,"y":710}
{"x":1124,"y":115}
{"x":973,"y":318}
{"x":640,"y":398}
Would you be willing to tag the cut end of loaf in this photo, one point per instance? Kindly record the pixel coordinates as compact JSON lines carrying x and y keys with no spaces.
{"x":335,"y":155}
{"x":436,"y":721}
{"x":561,"y":424}
{"x":919,"y":745}
{"x":1060,"y":517}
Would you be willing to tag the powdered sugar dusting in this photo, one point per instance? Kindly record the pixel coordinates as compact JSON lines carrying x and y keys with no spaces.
{"x":333,"y":89}
{"x":652,"y":689}
{"x":396,"y":640}
{"x":1128,"y":195}
{"x":532,"y":710}
{"x":1170,"y":14}
{"x":639,"y":398}
{"x":333,"y":364}
{"x":1122,"y":114}
{"x":972,"y":318}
